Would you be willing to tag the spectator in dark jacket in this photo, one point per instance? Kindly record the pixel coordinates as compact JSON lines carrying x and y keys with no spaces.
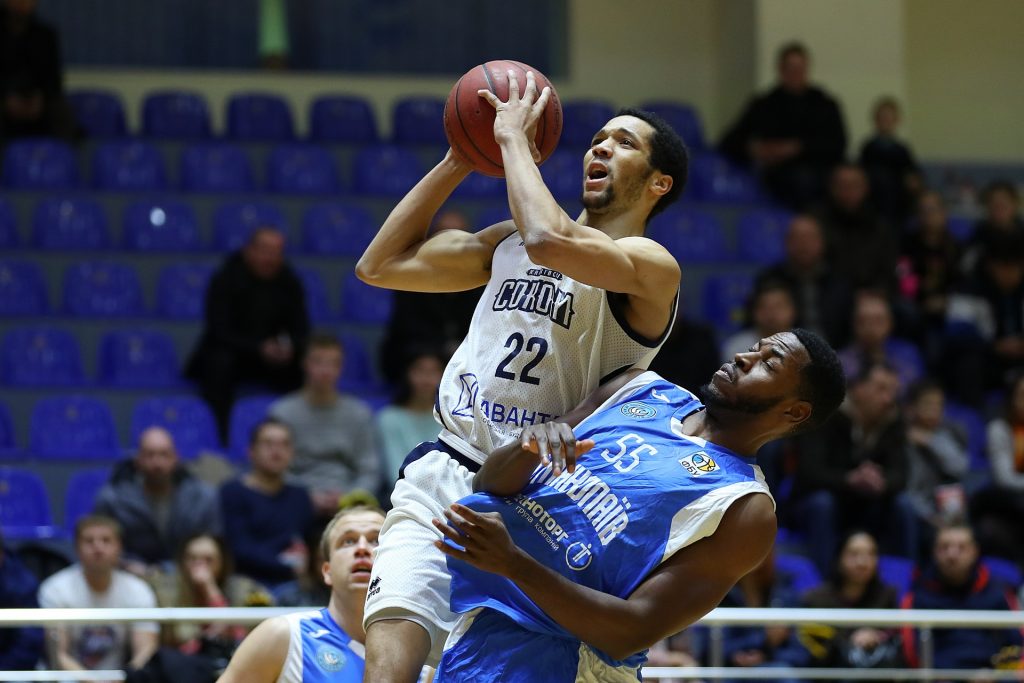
{"x":792,"y":135}
{"x":853,"y":471}
{"x":256,"y":326}
{"x":157,"y":502}
{"x":21,"y":647}
{"x":265,"y":519}
{"x":890,"y":164}
{"x":958,"y":581}
{"x":1002,"y":218}
{"x":931,"y":257}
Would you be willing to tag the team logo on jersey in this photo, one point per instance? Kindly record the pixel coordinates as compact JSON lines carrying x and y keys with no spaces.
{"x":330,"y":658}
{"x":578,"y":556}
{"x":638,"y":411}
{"x":699,"y":464}
{"x":535,"y":296}
{"x":467,"y":395}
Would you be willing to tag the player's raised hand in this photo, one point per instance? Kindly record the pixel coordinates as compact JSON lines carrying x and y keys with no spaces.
{"x":484,"y":540}
{"x":556,"y":445}
{"x":520,"y":114}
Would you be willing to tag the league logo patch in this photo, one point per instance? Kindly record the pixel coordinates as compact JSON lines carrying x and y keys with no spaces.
{"x":578,"y":556}
{"x":330,"y":658}
{"x":698,"y":464}
{"x":638,"y":411}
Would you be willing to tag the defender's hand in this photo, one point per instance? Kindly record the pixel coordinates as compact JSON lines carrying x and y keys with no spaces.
{"x":485,"y":542}
{"x":556,"y":445}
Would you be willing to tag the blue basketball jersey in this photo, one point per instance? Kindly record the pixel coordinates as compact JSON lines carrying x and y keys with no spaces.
{"x":642,"y":493}
{"x":319,"y":651}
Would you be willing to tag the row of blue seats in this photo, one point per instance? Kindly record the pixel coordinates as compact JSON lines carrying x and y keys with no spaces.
{"x":338,"y":228}
{"x":39,"y":356}
{"x":380,"y":170}
{"x":335,"y":119}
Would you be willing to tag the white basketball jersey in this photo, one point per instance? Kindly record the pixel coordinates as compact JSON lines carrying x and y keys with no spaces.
{"x":539,"y":343}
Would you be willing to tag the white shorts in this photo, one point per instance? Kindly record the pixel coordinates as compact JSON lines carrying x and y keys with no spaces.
{"x":410,"y":578}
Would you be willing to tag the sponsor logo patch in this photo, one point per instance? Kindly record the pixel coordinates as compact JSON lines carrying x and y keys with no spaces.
{"x":638,"y":411}
{"x":330,"y":658}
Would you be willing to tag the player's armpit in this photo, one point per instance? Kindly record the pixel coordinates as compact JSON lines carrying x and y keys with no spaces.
{"x":260,"y":657}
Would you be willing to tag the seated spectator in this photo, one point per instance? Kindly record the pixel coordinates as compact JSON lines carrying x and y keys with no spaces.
{"x":1002,"y":217}
{"x":892,"y":169}
{"x":862,"y":247}
{"x":853,"y":471}
{"x":997,"y":510}
{"x":32,"y":102}
{"x":938,"y":461}
{"x":157,"y":503}
{"x":310,"y":588}
{"x":682,"y":649}
{"x":21,"y":647}
{"x":768,"y":646}
{"x":265,"y":518}
{"x":956,"y":580}
{"x":690,"y":353}
{"x":823,"y":298}
{"x":95,"y":582}
{"x":792,"y":135}
{"x":332,"y":433}
{"x":873,"y":341}
{"x":203,"y":577}
{"x":438,"y":320}
{"x":256,"y":326}
{"x":771,"y":311}
{"x":853,"y":584}
{"x":410,"y":419}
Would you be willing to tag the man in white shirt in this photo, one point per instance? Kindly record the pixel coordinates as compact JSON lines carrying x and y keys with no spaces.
{"x":96,"y":582}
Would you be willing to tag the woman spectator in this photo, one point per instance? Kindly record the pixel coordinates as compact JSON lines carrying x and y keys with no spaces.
{"x":409,"y":420}
{"x":854,"y":584}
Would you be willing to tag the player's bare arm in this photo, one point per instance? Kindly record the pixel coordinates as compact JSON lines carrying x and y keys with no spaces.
{"x":261,"y":655}
{"x":632,"y":265}
{"x":675,"y":595}
{"x":402,"y":256}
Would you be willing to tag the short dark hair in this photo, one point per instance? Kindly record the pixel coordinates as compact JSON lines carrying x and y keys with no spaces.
{"x":999,"y":186}
{"x":257,"y":429}
{"x":822,"y":381}
{"x":668,"y":155}
{"x":868,"y":366}
{"x":324,"y":340}
{"x":89,"y":521}
{"x":793,"y":47}
{"x":921,"y":388}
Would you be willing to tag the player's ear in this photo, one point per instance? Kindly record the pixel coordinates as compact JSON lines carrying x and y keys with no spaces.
{"x":660,"y":183}
{"x":325,"y":571}
{"x":798,"y":412}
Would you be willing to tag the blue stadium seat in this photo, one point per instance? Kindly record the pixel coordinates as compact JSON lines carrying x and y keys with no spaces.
{"x":363,"y":303}
{"x":69,"y":223}
{"x":9,"y":237}
{"x":80,"y":495}
{"x":128,"y":166}
{"x":802,"y":571}
{"x":181,"y":290}
{"x":41,"y":357}
{"x":563,"y":174}
{"x":973,"y":426}
{"x":24,"y":506}
{"x":302,"y":169}
{"x":8,"y":443}
{"x":724,"y":300}
{"x":691,"y":236}
{"x":342,"y":119}
{"x":385,"y":171}
{"x":99,"y":112}
{"x":73,"y":428}
{"x":960,"y":227}
{"x":187,"y":418}
{"x":245,"y":414}
{"x":581,"y":121}
{"x":684,"y":120}
{"x":713,"y":179}
{"x":1004,"y":571}
{"x":39,"y":164}
{"x":479,"y":186}
{"x":357,"y":375}
{"x":896,"y":571}
{"x":761,"y":236}
{"x":234,"y":222}
{"x":175,"y":115}
{"x":337,"y":229}
{"x":138,"y":359}
{"x":492,"y":215}
{"x":419,"y":120}
{"x":102,"y":289}
{"x":22,"y":289}
{"x":317,"y":306}
{"x":259,"y":117}
{"x":161,"y":225}
{"x":216,"y":167}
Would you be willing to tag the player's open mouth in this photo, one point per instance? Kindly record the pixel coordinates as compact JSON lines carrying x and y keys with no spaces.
{"x":725,"y":372}
{"x":597,"y":174}
{"x":362,"y":570}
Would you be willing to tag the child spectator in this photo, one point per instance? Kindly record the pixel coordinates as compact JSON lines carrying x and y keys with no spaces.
{"x":892,"y":169}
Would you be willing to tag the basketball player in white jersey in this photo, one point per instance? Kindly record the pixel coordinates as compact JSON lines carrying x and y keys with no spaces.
{"x":568,"y":305}
{"x":323,"y":645}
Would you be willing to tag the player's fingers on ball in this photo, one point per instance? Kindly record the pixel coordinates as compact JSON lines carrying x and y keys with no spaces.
{"x":513,"y":85}
{"x":489,"y":96}
{"x":531,"y":85}
{"x":542,"y":101}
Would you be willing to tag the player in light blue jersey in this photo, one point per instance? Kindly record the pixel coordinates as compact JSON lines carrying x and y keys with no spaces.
{"x":324,"y":645}
{"x":568,"y":565}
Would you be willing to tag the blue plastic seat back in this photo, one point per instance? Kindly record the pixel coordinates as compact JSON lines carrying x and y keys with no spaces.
{"x":802,"y":571}
{"x":139,"y":359}
{"x":724,"y":300}
{"x":563,"y":174}
{"x":99,"y":112}
{"x":164,"y":225}
{"x":302,"y":169}
{"x":714,"y":179}
{"x":683,"y":118}
{"x":73,"y":428}
{"x":581,"y":121}
{"x":9,"y":237}
{"x":102,"y":289}
{"x":24,"y":506}
{"x":972,"y":425}
{"x":342,"y":119}
{"x":22,"y":289}
{"x":419,"y":120}
{"x":337,"y":229}
{"x":39,"y":164}
{"x":216,"y":167}
{"x":80,"y":497}
{"x":187,"y":418}
{"x":181,"y":290}
{"x":896,"y":571}
{"x":259,"y":117}
{"x":358,"y":375}
{"x":317,"y":304}
{"x":69,"y":224}
{"x":245,"y":414}
{"x":128,"y":166}
{"x":692,"y":236}
{"x":175,"y":115}
{"x":363,"y":303}
{"x":41,"y":357}
{"x":761,"y":236}
{"x":234,"y":223}
{"x":385,"y":171}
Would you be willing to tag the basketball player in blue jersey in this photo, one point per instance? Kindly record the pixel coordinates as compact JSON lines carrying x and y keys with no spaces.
{"x":568,"y":304}
{"x":568,"y":572}
{"x":324,"y":645}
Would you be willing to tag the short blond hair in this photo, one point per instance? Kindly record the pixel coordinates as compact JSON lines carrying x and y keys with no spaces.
{"x":325,"y":538}
{"x":89,"y":521}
